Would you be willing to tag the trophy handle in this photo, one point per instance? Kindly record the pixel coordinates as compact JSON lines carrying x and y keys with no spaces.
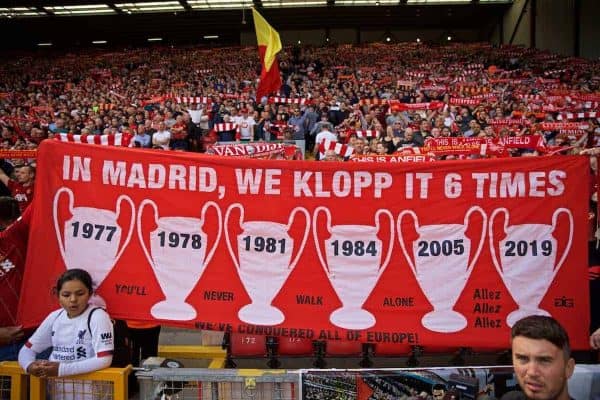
{"x":306,"y":231}
{"x":566,"y":251}
{"x":401,"y":238}
{"x":491,"y":236}
{"x":391,"y":245}
{"x":316,"y":234}
{"x":139,"y":228}
{"x":482,"y":239}
{"x":227,"y":238}
{"x":120,"y":201}
{"x":220,"y":230}
{"x":61,"y":244}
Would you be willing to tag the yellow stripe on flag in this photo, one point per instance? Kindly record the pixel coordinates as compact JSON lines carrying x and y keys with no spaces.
{"x":268,"y":37}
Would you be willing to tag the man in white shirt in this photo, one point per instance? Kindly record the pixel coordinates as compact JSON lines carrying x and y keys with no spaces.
{"x":246,"y":125}
{"x":161,"y":137}
{"x":196,"y":114}
{"x":325,"y":134}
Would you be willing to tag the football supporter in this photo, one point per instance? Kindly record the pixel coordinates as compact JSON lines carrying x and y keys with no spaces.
{"x":542,"y":359}
{"x":81,"y":335}
{"x":21,"y":188}
{"x":13,"y":247}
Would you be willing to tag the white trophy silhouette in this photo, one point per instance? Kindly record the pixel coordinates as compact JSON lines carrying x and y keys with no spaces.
{"x":527,"y":262}
{"x":353,"y":263}
{"x":263,"y":261}
{"x":442,"y":267}
{"x":91,"y":238}
{"x":178,"y":256}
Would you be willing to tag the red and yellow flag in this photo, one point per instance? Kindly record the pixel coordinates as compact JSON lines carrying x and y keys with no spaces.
{"x":269,"y":45}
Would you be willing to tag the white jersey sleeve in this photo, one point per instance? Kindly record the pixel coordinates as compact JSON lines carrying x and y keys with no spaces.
{"x":39,"y":341}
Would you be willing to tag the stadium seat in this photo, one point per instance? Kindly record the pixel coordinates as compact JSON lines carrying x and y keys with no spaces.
{"x":288,"y":347}
{"x":295,"y":347}
{"x":239,"y":345}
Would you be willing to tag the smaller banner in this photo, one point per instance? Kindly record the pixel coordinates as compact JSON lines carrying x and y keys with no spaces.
{"x":392,"y":158}
{"x":257,"y":150}
{"x":18,"y":154}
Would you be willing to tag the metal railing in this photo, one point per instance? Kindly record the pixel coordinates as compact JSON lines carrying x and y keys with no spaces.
{"x":106,"y":384}
{"x":223,"y":384}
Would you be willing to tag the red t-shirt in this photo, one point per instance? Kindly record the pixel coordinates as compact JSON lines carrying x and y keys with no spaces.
{"x":23,"y":194}
{"x":179,"y":131}
{"x":13,"y":249}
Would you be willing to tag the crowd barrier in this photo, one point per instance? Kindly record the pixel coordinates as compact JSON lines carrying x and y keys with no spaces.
{"x":239,"y":384}
{"x":470,"y":382}
{"x":106,"y":384}
{"x":222,"y":384}
{"x":13,"y":381}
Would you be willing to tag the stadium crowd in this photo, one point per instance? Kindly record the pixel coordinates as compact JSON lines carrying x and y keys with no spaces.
{"x":372,"y":99}
{"x":367,"y":102}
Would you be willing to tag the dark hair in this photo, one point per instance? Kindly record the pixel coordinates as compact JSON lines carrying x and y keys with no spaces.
{"x":9,"y":209}
{"x":541,"y":327}
{"x":438,"y":386}
{"x":74,"y":274}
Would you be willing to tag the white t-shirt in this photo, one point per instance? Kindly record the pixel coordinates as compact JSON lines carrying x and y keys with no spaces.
{"x":195,"y":115}
{"x":325,"y":135}
{"x":76,"y":349}
{"x":246,"y":126}
{"x":71,"y":341}
{"x":161,"y":138}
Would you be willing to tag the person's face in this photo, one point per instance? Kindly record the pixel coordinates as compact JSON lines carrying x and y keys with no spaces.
{"x":73,"y":296}
{"x":438,"y":394}
{"x":24,"y":175}
{"x":541,"y":368}
{"x":330,"y":156}
{"x":380,"y":149}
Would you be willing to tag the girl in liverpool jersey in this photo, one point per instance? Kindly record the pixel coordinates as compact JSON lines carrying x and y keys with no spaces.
{"x":81,"y":337}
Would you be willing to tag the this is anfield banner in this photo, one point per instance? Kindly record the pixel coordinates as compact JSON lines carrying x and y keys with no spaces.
{"x":431,"y":254}
{"x":393,"y":158}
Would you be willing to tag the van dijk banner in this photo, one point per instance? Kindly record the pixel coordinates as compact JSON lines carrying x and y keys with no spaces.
{"x":430,"y":254}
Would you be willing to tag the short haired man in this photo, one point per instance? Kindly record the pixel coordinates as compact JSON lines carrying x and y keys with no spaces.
{"x":330,"y":155}
{"x":21,"y":188}
{"x":541,"y":357}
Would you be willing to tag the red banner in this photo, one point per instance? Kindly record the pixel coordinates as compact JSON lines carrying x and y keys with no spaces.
{"x":424,"y":254}
{"x":18,"y":153}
